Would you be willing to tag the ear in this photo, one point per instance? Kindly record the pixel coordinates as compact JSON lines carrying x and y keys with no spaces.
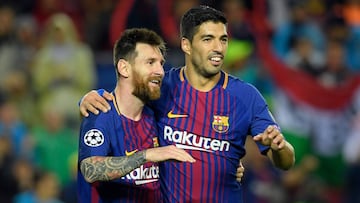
{"x":123,"y":68}
{"x":186,"y":45}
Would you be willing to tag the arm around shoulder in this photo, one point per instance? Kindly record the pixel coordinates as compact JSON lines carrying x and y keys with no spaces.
{"x":94,"y":101}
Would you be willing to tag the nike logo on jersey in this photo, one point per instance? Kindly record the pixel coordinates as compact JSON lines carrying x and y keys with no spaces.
{"x":172,"y":115}
{"x":130,"y":153}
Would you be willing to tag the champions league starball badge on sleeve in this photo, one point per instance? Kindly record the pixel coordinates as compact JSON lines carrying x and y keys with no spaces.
{"x":94,"y":138}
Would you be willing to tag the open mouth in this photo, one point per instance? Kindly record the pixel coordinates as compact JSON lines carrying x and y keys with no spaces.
{"x":216,"y":60}
{"x":155,"y":82}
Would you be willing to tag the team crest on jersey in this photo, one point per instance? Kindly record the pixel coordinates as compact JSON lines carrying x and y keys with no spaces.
{"x":93,"y":138}
{"x":220,"y":123}
{"x":155,"y":141}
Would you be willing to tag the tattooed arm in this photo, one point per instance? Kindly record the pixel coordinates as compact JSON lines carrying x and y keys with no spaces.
{"x":100,"y":168}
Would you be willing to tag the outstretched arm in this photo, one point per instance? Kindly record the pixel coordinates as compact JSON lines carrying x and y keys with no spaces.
{"x":281,"y":152}
{"x":98,"y":168}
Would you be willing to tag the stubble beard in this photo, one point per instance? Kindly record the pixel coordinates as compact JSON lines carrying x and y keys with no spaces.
{"x":201,"y":69}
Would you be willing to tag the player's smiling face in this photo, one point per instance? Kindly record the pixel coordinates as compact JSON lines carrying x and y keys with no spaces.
{"x":208,"y":48}
{"x":147,"y":72}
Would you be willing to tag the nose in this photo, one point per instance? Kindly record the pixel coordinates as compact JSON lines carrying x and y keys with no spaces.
{"x":159,"y":70}
{"x":218,"y":46}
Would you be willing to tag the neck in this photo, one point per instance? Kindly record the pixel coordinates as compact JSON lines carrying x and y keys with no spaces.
{"x":199,"y":81}
{"x":128,"y":105}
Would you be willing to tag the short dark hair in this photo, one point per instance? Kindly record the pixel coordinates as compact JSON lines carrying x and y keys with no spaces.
{"x":125,"y":46}
{"x":193,"y":18}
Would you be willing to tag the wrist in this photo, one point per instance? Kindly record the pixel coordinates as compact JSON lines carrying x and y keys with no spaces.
{"x":142,"y":156}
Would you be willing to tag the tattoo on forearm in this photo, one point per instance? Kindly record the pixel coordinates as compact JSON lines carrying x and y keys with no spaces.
{"x":109,"y":168}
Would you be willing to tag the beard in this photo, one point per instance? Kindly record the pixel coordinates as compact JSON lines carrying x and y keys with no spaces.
{"x":143,"y":91}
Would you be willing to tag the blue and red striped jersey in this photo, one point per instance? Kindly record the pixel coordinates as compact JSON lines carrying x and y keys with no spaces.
{"x":112,"y":134}
{"x":212,"y":126}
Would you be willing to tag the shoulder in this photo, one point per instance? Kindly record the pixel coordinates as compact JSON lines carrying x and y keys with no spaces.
{"x":244,"y":92}
{"x":239,"y":87}
{"x":95,"y":130}
{"x":171,"y":79}
{"x":172,"y":74}
{"x":102,"y":119}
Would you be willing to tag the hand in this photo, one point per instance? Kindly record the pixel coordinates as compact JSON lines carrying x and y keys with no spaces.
{"x":93,"y":102}
{"x":271,"y":137}
{"x":170,"y":152}
{"x":240,"y":172}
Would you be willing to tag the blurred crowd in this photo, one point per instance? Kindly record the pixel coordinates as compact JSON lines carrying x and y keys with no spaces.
{"x":303,"y":56}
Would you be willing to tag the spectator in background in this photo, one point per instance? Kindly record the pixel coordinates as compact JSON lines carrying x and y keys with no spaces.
{"x":63,"y":68}
{"x":46,"y":189}
{"x":238,"y":24}
{"x":17,"y":47}
{"x":54,"y":143}
{"x":68,"y":191}
{"x":8,"y":51}
{"x":351,"y":12}
{"x":43,"y":10}
{"x":23,"y":171}
{"x":349,"y":19}
{"x":337,"y":28}
{"x":131,"y":14}
{"x":8,"y":186}
{"x":26,"y":32}
{"x":170,"y":12}
{"x":278,"y":13}
{"x":14,"y":128}
{"x":241,"y":60}
{"x":300,"y":183}
{"x":304,"y":56}
{"x":353,"y":49}
{"x":170,"y":15}
{"x":18,"y":82}
{"x":96,"y":23}
{"x":335,"y":71}
{"x":299,"y":24}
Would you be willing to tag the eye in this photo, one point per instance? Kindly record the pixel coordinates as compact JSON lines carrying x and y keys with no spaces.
{"x":224,"y":40}
{"x":150,"y":62}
